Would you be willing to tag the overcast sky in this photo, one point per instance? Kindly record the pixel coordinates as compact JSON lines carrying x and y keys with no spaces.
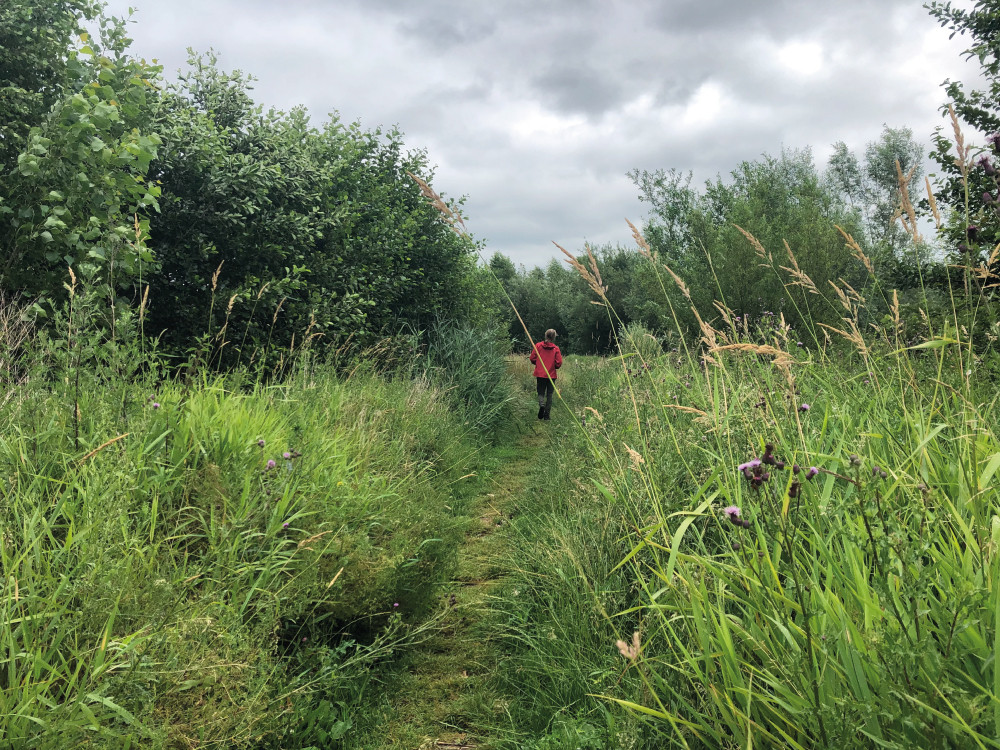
{"x":536,"y":109}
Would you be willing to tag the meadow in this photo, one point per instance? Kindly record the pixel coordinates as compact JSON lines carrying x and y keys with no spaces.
{"x":271,"y":475}
{"x":751,"y":540}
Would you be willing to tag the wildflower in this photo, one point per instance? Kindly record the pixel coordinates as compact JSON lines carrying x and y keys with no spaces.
{"x":751,"y":464}
{"x":793,"y":489}
{"x":156,"y":404}
{"x":732,"y":510}
{"x":796,"y":468}
{"x":271,"y":463}
{"x":855,"y":459}
{"x":395,"y":605}
{"x":972,"y":232}
{"x":285,"y":524}
{"x":804,"y":407}
{"x":813,"y":471}
{"x":261,"y":443}
{"x":286,"y":455}
{"x":878,"y":472}
{"x":986,"y":164}
{"x":737,"y":546}
{"x":630,"y":651}
{"x":994,"y":140}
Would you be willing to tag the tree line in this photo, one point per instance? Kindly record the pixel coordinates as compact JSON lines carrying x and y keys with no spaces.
{"x":208,"y":210}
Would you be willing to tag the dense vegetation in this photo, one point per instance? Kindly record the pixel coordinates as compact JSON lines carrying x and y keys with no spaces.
{"x":252,"y":411}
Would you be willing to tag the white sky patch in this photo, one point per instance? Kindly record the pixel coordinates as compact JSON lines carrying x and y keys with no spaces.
{"x":800,"y":58}
{"x":705,"y":107}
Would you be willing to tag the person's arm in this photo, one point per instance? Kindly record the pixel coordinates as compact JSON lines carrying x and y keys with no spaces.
{"x":534,"y":356}
{"x":558,"y":362}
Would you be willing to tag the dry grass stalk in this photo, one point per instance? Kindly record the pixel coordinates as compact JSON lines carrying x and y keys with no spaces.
{"x":679,"y":282}
{"x":274,"y":318}
{"x":844,"y":300}
{"x":644,"y":248}
{"x":451,"y":216}
{"x":782,"y":359}
{"x":728,"y":319}
{"x":985,"y":271}
{"x":708,"y":334}
{"x":594,"y":412}
{"x":592,"y":275}
{"x":688,"y":409}
{"x":897,"y":320}
{"x":104,"y":445}
{"x":215,"y":276}
{"x":905,"y":212}
{"x":635,"y":457}
{"x":933,"y":202}
{"x":143,"y":304}
{"x":962,"y":162}
{"x":799,"y":277}
{"x":856,"y":251}
{"x":758,"y":248}
{"x":854,"y":336}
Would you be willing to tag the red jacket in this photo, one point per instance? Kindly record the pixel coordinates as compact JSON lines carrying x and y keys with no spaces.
{"x":546,"y":356}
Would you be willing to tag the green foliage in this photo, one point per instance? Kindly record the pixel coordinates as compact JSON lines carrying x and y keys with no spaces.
{"x":471,"y":365}
{"x":168,"y":579}
{"x":263,"y":231}
{"x":871,"y":188}
{"x":34,"y":38}
{"x":962,"y":183}
{"x":80,"y":178}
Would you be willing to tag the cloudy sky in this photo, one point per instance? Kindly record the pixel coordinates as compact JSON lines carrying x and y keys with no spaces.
{"x":536,"y":109}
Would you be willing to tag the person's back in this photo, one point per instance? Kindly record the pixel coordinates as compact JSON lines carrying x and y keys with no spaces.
{"x":547,"y":359}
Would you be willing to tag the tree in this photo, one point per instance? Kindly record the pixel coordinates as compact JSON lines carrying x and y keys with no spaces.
{"x":35,"y":39}
{"x":80,"y":180}
{"x":966,"y":186}
{"x":871,"y":187}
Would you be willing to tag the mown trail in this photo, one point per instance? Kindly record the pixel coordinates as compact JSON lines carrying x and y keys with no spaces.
{"x":448,"y":695}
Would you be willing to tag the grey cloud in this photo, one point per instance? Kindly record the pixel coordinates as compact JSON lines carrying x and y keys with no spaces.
{"x":537,"y":110}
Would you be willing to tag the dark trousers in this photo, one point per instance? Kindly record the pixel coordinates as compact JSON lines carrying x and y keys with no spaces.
{"x":545,"y":389}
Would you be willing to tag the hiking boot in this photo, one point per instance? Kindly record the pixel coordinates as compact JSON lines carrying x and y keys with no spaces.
{"x":541,"y":412}
{"x":547,"y":410}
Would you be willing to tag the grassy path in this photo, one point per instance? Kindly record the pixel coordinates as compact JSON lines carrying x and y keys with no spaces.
{"x":447,"y":696}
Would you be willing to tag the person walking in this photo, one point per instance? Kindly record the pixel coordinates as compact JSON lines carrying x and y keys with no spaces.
{"x":546,"y":358}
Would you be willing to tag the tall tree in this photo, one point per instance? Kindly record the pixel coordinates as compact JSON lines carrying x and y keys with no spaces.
{"x":871,"y":187}
{"x":971,"y":190}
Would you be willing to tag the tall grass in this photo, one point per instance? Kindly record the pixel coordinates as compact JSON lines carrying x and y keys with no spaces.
{"x":780,"y":539}
{"x":212,"y":561}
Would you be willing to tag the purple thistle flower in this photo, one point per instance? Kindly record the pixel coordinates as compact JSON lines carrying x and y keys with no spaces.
{"x":994,"y":140}
{"x":796,"y":468}
{"x":732,"y":510}
{"x":286,"y":455}
{"x":261,"y":443}
{"x":813,"y":471}
{"x":751,"y":464}
{"x":285,"y":525}
{"x":800,"y":343}
{"x":156,"y":404}
{"x":986,"y":164}
{"x":271,"y":463}
{"x":804,"y":407}
{"x":395,"y":605}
